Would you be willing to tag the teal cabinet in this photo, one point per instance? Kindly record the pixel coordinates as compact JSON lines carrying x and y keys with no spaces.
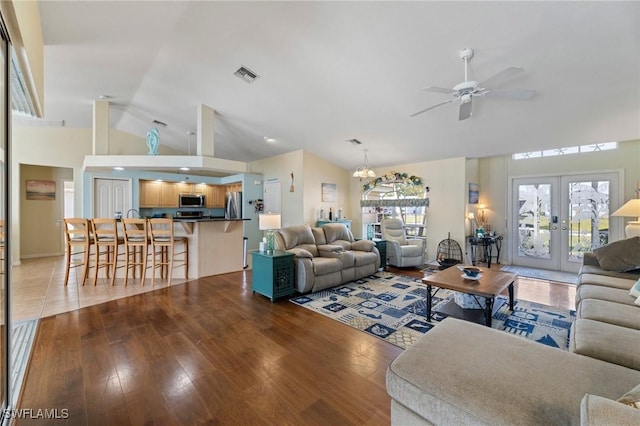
{"x":272,"y":273}
{"x":324,"y":222}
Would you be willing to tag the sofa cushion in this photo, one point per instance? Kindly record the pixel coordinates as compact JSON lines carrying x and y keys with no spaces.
{"x":596,"y":410}
{"x":464,"y":373}
{"x":299,"y":236}
{"x":607,"y":281}
{"x":300,"y":252}
{"x":607,"y":342}
{"x":620,"y":256}
{"x":363,"y":245}
{"x":610,"y":312}
{"x":590,"y":291}
{"x":337,"y":231}
{"x":326,"y":265}
{"x":631,"y":398}
{"x":411,"y":251}
{"x":364,"y":257}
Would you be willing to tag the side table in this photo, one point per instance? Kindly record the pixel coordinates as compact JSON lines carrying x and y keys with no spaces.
{"x":272,"y":273}
{"x":381,"y":245}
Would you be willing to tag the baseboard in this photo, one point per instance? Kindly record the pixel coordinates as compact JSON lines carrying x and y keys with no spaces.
{"x":39,"y":255}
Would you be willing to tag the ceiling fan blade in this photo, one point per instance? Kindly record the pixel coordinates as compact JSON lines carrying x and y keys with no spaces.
{"x":501,"y":76}
{"x":465,"y":110}
{"x":431,"y":107}
{"x":510,"y":94}
{"x":439,"y":90}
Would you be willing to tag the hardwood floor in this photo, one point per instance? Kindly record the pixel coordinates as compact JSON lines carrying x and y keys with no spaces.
{"x":211,"y":352}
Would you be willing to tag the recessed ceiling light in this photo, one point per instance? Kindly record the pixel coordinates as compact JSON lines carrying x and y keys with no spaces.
{"x":269,"y":139}
{"x":158,"y":180}
{"x":104,"y":97}
{"x":184,"y":168}
{"x":118,"y":168}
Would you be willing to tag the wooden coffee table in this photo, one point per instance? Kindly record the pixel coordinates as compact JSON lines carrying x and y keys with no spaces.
{"x":489,"y":286}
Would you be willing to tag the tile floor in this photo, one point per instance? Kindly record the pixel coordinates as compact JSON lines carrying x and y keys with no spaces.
{"x":38,"y":290}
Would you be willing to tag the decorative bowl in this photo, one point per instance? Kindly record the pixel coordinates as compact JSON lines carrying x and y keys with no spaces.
{"x":471,"y":272}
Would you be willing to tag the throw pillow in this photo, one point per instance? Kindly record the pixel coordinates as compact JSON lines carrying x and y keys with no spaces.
{"x":631,"y":398}
{"x":619,"y":256}
{"x":635,"y":289}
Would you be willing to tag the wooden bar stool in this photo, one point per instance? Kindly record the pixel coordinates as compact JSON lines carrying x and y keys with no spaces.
{"x":77,"y":234}
{"x":136,"y":244}
{"x":105,"y":234}
{"x":163,"y":248}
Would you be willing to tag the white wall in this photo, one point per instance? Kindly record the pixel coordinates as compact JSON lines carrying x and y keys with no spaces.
{"x":318,"y":171}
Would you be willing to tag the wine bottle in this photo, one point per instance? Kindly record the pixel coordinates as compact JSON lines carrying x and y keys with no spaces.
{"x":330,"y":214}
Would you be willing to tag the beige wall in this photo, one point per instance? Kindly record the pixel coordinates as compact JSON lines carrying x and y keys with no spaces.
{"x":279,"y":167}
{"x":41,"y":232}
{"x":447,"y":198}
{"x":497,"y":172}
{"x":316,"y":172}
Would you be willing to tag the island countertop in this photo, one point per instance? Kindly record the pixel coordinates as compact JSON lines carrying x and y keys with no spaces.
{"x":206,"y":219}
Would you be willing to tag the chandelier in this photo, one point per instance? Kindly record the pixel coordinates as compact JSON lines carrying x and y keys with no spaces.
{"x":364,"y":171}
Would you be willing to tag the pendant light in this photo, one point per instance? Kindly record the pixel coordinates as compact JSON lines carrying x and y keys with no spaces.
{"x":364,"y":171}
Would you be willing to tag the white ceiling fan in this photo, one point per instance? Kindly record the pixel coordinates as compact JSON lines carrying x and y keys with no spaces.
{"x":469,"y":89}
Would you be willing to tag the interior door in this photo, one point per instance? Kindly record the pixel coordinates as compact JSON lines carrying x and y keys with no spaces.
{"x":110,"y":196}
{"x":556,"y":219}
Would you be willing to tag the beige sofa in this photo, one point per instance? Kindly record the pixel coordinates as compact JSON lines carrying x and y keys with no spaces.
{"x":327,"y":256}
{"x":463,"y":373}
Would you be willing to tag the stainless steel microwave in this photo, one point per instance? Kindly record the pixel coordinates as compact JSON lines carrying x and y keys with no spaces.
{"x":192,"y":200}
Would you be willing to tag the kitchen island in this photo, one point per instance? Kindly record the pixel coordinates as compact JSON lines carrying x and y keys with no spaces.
{"x":215,"y":245}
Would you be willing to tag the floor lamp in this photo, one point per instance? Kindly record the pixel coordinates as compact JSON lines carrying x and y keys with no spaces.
{"x":630,"y":209}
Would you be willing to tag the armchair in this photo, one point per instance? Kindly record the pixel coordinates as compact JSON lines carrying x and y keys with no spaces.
{"x":402,"y":252}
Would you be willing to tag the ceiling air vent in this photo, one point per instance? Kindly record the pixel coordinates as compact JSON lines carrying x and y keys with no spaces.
{"x":246,"y":74}
{"x":354,"y":141}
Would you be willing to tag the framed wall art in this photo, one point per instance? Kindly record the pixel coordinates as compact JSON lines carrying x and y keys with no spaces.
{"x":329,"y":192}
{"x":41,"y":190}
{"x":474,"y":193}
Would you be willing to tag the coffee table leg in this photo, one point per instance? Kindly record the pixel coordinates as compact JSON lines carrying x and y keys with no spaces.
{"x":428,"y":302}
{"x":489,"y":310}
{"x":511,"y":296}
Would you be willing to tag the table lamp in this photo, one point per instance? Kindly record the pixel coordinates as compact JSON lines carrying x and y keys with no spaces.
{"x":630,"y":209}
{"x":268,"y":222}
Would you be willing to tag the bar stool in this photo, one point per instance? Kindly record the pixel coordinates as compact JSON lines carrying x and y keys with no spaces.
{"x":136,"y":244}
{"x":163,"y":244}
{"x":77,"y":234}
{"x":105,"y":234}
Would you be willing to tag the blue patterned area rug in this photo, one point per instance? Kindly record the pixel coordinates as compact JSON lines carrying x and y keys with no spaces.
{"x":393,"y":308}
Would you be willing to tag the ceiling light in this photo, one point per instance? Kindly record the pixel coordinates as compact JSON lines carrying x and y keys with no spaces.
{"x":269,"y":139}
{"x":364,"y":171}
{"x":118,"y":168}
{"x":184,"y":168}
{"x":104,"y":97}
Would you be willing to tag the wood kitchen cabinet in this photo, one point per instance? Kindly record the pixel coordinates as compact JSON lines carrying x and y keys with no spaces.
{"x":150,"y":193}
{"x":214,"y":196}
{"x":170,"y":194}
{"x":234,"y":187}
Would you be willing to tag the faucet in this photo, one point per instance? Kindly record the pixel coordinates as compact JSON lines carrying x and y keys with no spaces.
{"x":133,"y":211}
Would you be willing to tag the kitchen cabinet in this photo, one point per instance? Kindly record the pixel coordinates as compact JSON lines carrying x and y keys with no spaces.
{"x":234,"y":187}
{"x":192,"y":188}
{"x":214,"y":196}
{"x":150,"y":193}
{"x":170,"y":194}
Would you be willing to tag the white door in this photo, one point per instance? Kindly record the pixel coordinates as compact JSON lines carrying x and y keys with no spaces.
{"x":111,"y":196}
{"x":556,"y":219}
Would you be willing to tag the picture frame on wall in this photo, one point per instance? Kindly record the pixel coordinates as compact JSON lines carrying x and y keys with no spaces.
{"x":474,"y":193}
{"x":41,"y":190}
{"x":329,"y":192}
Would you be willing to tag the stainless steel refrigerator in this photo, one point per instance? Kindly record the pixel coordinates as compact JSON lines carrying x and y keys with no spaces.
{"x":233,"y":206}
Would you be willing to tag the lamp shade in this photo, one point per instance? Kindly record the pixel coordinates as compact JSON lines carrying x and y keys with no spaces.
{"x":269,"y":221}
{"x":630,"y":209}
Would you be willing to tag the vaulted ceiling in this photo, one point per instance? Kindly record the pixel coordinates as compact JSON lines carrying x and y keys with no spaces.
{"x":333,"y":71}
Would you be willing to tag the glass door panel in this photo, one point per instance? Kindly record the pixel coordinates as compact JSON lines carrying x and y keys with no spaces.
{"x":558,"y":219}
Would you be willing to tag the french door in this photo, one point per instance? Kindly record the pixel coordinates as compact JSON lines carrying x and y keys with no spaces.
{"x":555,"y":219}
